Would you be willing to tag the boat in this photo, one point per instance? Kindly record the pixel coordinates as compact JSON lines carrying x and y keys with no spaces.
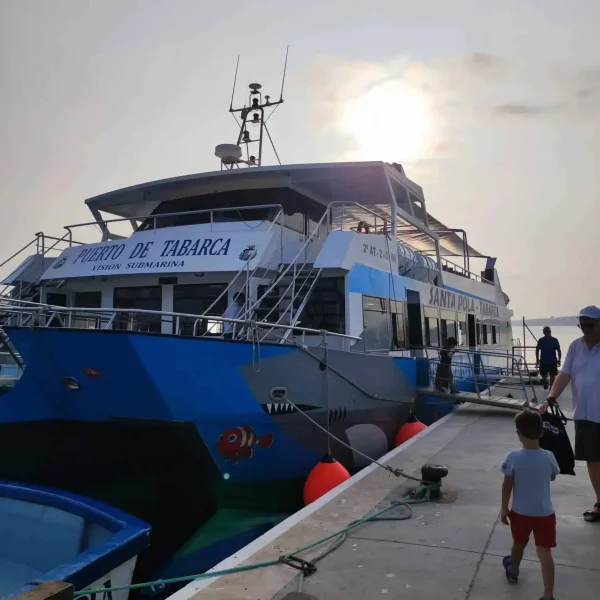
{"x":133,"y":366}
{"x":51,"y":535}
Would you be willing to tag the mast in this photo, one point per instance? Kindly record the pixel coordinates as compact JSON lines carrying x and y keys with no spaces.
{"x":248,"y":150}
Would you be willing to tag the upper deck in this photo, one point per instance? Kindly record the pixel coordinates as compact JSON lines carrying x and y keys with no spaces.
{"x":381,"y":188}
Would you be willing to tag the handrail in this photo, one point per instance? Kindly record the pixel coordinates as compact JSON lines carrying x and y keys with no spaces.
{"x":250,"y":275}
{"x":344,"y":203}
{"x":504,"y":356}
{"x":285,"y":271}
{"x":174,"y":214}
{"x":41,"y":308}
{"x":464,"y":271}
{"x":33,"y":241}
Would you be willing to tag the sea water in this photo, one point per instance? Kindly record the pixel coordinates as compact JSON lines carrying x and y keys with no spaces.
{"x":564,"y":334}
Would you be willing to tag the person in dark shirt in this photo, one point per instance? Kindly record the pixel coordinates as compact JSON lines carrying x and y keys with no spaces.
{"x":547,"y":357}
{"x":444,"y":379}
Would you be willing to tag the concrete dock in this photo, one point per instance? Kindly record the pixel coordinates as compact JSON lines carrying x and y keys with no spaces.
{"x":450,"y":549}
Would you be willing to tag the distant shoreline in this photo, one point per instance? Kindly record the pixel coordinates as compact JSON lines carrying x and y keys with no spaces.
{"x":551,"y":321}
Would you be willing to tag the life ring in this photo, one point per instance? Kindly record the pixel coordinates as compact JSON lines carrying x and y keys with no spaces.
{"x":362,"y":227}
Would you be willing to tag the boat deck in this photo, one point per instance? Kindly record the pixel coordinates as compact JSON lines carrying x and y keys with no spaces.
{"x":450,"y":549}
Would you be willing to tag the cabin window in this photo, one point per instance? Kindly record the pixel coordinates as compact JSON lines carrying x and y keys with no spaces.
{"x":87,"y":299}
{"x":448,"y":330}
{"x":138,"y":298}
{"x":494,"y":334}
{"x":91,"y":320}
{"x":294,"y":221}
{"x":432,"y":332}
{"x":484,"y":334}
{"x":462,"y":332}
{"x":376,"y":323}
{"x":196,"y":299}
{"x":478,"y":332}
{"x":326,"y":305}
{"x":447,"y":325}
{"x":56,"y":299}
{"x":398,"y":326}
{"x":413,"y":314}
{"x":432,"y":326}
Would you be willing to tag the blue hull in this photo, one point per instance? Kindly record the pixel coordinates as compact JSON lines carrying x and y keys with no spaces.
{"x":217,"y":385}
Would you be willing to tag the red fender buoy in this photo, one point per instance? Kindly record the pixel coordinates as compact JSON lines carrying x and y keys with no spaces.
{"x":409,"y":430}
{"x":326,"y":474}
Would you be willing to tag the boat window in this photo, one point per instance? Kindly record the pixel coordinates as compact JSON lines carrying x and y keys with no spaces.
{"x":413,"y":313}
{"x":432,"y":332}
{"x":294,"y":222}
{"x":326,"y":306}
{"x":196,"y":299}
{"x":140,"y":298}
{"x":398,"y":324}
{"x":447,"y":325}
{"x":478,"y":332}
{"x":371,"y":303}
{"x":87,"y":299}
{"x":399,"y":331}
{"x":296,"y":207}
{"x":494,"y":334}
{"x":56,"y":299}
{"x":448,"y":329}
{"x":484,"y":334}
{"x":471,"y":331}
{"x":461,"y":329}
{"x":91,"y":320}
{"x":376,"y":322}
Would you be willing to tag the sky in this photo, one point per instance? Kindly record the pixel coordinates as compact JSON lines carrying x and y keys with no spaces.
{"x":492,"y":107}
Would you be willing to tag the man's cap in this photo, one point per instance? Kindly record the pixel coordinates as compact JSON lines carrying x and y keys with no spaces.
{"x":590,"y":312}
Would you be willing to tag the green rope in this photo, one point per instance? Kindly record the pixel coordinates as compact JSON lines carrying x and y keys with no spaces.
{"x":420,"y":495}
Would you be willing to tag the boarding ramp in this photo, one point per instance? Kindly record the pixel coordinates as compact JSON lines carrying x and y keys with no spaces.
{"x":491,"y":378}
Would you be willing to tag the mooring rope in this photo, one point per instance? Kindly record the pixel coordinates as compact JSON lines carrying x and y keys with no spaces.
{"x":421,"y":495}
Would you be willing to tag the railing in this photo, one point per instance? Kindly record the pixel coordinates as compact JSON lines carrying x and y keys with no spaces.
{"x":484,"y":377}
{"x":104,"y":223}
{"x":380,"y":224}
{"x":450,"y":267}
{"x":245,"y":269}
{"x":522,"y":353}
{"x":293,"y":267}
{"x":22,"y":314}
{"x":373,"y":220}
{"x":43,"y":249}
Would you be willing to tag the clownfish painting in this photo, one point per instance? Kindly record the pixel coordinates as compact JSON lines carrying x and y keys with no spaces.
{"x":239,"y":442}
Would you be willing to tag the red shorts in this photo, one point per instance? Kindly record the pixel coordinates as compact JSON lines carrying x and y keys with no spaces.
{"x":543,"y":528}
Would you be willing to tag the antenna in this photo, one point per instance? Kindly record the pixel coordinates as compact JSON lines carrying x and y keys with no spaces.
{"x":252,"y":114}
{"x":284,"y":70}
{"x":234,"y":80}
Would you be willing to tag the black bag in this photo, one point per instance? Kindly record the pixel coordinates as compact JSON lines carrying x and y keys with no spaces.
{"x":555,"y":439}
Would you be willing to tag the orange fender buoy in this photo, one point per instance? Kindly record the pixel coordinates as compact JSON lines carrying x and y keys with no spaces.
{"x":326,"y":474}
{"x":409,"y":430}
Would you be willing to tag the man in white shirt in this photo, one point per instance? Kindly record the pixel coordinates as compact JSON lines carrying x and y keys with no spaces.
{"x":234,"y":310}
{"x":582,"y":369}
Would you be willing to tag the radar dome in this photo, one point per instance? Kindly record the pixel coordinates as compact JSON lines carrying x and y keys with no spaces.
{"x":228,"y":153}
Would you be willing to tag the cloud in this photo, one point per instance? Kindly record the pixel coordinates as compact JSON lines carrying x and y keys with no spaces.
{"x":476,"y":84}
{"x":524,"y":110}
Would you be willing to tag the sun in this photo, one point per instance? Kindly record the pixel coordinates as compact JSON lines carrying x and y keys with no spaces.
{"x":392,"y":122}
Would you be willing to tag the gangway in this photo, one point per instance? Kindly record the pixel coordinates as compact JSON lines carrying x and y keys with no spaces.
{"x":500,"y":379}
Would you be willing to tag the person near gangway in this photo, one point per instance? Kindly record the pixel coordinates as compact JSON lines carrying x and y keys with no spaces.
{"x":444,"y":379}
